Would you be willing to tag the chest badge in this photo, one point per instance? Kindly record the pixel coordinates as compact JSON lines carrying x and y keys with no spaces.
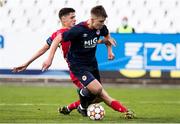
{"x":84,"y":78}
{"x":98,"y":32}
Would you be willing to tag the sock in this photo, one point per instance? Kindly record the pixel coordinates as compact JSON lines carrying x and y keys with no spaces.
{"x":86,"y":97}
{"x":73,"y":105}
{"x":83,"y":95}
{"x":117,"y":106}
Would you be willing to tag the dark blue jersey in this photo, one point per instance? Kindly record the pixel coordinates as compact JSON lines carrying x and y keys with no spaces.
{"x":83,"y":44}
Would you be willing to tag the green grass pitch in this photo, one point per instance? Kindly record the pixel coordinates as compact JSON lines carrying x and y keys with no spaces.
{"x":38,"y":104}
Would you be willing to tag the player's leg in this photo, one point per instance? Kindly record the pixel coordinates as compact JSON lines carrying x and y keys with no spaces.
{"x":75,"y":80}
{"x":111,"y":102}
{"x":87,"y":95}
{"x":89,"y":92}
{"x":67,"y":109}
{"x":93,"y":87}
{"x":86,"y":98}
{"x":116,"y":105}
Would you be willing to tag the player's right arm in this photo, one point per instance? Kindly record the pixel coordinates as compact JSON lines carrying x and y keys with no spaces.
{"x":40,"y":52}
{"x":47,"y":63}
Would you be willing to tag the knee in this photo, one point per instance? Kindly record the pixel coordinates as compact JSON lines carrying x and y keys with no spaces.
{"x":98,"y":90}
{"x":95,"y":87}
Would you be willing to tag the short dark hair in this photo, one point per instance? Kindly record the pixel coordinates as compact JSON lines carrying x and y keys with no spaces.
{"x":99,"y":11}
{"x":65,"y":11}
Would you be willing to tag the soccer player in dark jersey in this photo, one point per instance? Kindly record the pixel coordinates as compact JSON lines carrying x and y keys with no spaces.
{"x":67,"y":18}
{"x":82,"y":60}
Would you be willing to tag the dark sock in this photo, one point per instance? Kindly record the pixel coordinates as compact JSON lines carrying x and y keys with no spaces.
{"x":86,"y":97}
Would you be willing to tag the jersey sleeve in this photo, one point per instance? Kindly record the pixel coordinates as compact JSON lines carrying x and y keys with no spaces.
{"x":51,"y":38}
{"x":71,"y":34}
{"x":49,"y":41}
{"x":104,"y":31}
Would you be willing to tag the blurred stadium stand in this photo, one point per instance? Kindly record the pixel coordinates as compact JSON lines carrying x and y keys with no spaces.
{"x":152,"y":16}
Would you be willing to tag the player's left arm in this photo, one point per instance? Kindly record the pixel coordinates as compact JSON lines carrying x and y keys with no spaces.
{"x":108,"y":41}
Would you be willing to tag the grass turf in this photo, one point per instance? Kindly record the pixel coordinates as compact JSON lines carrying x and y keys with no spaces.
{"x":38,"y":104}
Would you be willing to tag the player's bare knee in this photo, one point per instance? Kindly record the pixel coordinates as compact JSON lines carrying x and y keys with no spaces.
{"x":95,"y":87}
{"x":96,"y":90}
{"x":99,"y":90}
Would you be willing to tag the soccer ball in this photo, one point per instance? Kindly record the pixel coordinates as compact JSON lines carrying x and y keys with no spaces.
{"x":95,"y":112}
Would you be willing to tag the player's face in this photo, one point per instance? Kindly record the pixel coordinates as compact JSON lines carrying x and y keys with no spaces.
{"x":69,"y":20}
{"x":98,"y":22}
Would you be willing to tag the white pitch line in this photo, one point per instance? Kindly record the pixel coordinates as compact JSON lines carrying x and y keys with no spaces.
{"x":27,"y":104}
{"x":159,"y":102}
{"x":44,"y":104}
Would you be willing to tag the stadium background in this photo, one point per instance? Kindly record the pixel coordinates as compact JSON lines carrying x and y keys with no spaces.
{"x":25,"y":25}
{"x":150,"y":56}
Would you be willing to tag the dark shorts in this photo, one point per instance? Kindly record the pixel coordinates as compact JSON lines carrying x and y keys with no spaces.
{"x":85,"y":74}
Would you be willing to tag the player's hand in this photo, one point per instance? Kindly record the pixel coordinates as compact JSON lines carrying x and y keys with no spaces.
{"x":19,"y":68}
{"x":46,"y":65}
{"x":111,"y":56}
